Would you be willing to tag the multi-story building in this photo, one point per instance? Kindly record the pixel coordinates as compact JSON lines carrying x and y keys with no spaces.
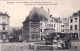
{"x":64,"y":25}
{"x":58,"y":25}
{"x":31,"y":26}
{"x":4,"y":26}
{"x":50,"y":25}
{"x":74,"y":25}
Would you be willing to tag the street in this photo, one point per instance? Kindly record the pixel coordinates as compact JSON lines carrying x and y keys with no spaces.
{"x":24,"y":47}
{"x":15,"y":47}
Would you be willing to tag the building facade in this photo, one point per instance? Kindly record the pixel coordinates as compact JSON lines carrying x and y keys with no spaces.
{"x":58,"y":24}
{"x":74,"y":25}
{"x":31,"y":32}
{"x":4,"y":26}
{"x":31,"y":26}
{"x":64,"y":25}
{"x":55,"y":25}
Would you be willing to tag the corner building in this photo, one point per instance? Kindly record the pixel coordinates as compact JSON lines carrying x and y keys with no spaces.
{"x":4,"y":26}
{"x":74,"y":25}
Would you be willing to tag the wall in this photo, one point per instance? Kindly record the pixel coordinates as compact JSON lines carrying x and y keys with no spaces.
{"x":73,"y":24}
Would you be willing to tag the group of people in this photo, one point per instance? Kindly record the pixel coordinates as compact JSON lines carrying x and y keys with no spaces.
{"x":65,"y":43}
{"x":61,"y":43}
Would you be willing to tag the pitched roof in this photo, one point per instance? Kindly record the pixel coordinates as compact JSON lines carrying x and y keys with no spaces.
{"x":75,"y":14}
{"x":56,"y":19}
{"x":37,"y":14}
{"x":3,"y":14}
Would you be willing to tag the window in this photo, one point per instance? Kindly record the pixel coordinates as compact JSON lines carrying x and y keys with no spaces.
{"x":71,"y":20}
{"x":71,"y":27}
{"x":41,"y":30}
{"x":75,"y":19}
{"x":62,"y":30}
{"x":54,"y":25}
{"x":62,"y":25}
{"x":75,"y":27}
{"x":41,"y":24}
{"x":49,"y":25}
{"x":3,"y":28}
{"x":32,"y":36}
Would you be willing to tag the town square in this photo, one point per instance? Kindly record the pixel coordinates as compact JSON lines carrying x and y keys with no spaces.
{"x":40,"y":25}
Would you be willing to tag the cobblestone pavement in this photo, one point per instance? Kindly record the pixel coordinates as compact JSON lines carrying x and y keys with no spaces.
{"x":24,"y":47}
{"x":78,"y":46}
{"x":15,"y":47}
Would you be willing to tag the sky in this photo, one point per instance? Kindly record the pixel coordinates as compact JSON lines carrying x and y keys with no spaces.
{"x":19,"y":11}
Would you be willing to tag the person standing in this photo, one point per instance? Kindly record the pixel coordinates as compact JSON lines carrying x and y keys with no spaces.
{"x":59,"y":45}
{"x":75,"y":45}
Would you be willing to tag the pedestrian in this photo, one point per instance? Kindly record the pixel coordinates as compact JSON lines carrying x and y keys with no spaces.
{"x":70,"y":43}
{"x":75,"y":45}
{"x":63,"y":45}
{"x":59,"y":45}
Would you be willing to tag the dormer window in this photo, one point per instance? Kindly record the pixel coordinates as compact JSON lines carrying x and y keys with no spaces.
{"x":75,"y":19}
{"x":74,"y":14}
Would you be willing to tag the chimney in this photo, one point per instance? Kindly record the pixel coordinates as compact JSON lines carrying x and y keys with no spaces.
{"x":5,"y":12}
{"x":74,"y":14}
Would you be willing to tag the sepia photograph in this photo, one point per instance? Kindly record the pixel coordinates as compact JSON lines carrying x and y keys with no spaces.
{"x":40,"y":25}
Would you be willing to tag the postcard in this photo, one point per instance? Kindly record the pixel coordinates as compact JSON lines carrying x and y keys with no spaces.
{"x":39,"y":25}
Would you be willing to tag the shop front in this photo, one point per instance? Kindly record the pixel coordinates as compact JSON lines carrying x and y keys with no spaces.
{"x":4,"y":36}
